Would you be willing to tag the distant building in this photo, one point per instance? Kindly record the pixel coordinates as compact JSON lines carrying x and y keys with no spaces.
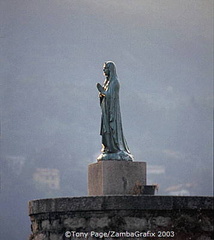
{"x":15,"y":163}
{"x":180,"y":189}
{"x":155,"y":169}
{"x":182,"y":192}
{"x":47,"y":177}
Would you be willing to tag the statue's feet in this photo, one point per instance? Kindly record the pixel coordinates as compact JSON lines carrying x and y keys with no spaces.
{"x":118,"y":156}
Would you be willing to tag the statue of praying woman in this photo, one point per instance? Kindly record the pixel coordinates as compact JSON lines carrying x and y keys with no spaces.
{"x":114,"y":146}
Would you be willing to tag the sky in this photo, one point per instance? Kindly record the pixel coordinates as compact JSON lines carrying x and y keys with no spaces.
{"x":52,"y":53}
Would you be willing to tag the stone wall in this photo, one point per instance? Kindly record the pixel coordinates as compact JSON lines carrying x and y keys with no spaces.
{"x":122,"y":217}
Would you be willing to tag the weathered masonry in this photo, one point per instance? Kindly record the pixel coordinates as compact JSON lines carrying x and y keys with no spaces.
{"x":122,"y":217}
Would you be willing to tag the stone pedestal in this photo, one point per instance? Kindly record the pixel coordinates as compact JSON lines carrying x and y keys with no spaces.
{"x":115,"y":177}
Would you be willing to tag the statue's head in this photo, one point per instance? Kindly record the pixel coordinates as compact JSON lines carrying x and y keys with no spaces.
{"x":109,"y":69}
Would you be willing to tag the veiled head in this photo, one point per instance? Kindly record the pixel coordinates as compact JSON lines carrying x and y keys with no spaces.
{"x":109,"y":69}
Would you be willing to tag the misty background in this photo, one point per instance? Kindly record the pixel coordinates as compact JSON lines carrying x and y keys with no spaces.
{"x":52,"y":53}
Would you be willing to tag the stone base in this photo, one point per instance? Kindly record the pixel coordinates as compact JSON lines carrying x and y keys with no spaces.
{"x":178,"y":218}
{"x":112,"y":177}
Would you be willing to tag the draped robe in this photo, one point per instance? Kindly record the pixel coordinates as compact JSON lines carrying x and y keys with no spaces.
{"x":113,"y":140}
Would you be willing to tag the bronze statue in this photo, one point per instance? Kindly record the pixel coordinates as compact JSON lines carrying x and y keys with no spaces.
{"x":114,"y":146}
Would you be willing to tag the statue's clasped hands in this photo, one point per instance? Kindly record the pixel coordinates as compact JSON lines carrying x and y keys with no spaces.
{"x":101,"y":89}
